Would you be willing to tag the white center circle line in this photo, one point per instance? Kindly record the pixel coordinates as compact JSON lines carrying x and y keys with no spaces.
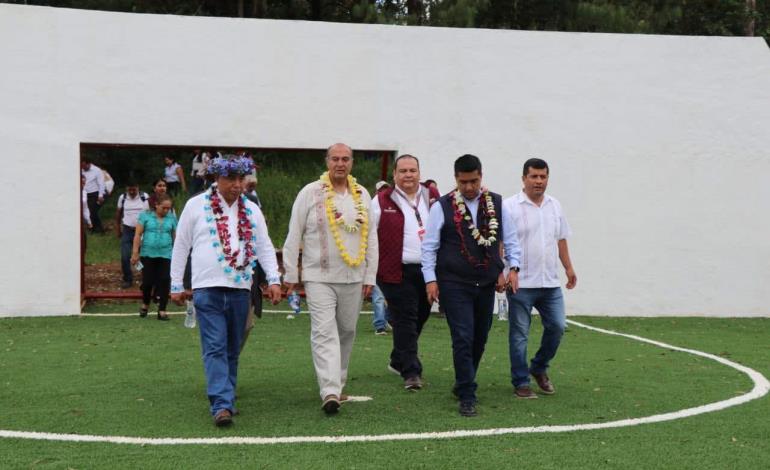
{"x":760,"y":389}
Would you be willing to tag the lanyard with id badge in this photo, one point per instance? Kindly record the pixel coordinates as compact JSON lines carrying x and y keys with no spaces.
{"x":415,"y":208}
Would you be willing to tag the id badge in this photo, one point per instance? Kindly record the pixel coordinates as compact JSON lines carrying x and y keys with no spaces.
{"x":421,"y":233}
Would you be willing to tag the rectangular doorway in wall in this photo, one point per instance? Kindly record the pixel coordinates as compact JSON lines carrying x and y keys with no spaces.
{"x":281,"y":173}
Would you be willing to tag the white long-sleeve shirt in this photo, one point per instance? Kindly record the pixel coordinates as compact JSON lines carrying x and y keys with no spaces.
{"x":321,"y":260}
{"x":193,"y":232}
{"x":94,"y":180}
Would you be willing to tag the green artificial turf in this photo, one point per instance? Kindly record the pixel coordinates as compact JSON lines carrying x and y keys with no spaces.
{"x":140,"y":377}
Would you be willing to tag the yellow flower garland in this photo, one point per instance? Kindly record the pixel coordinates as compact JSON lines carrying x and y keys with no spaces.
{"x":361,"y":223}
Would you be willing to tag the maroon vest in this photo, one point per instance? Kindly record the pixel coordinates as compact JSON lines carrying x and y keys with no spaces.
{"x":390,"y":234}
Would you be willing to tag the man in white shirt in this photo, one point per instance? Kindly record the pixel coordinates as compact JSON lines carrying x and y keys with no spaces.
{"x":95,"y":192}
{"x":401,"y":216}
{"x":330,"y":223}
{"x":227,"y":235}
{"x":543,"y":231}
{"x":130,"y":205}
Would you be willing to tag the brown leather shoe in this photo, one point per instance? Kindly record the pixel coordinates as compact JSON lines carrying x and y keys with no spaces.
{"x":223,"y":418}
{"x":330,"y":404}
{"x":544,"y":383}
{"x":413,"y":383}
{"x":524,"y":392}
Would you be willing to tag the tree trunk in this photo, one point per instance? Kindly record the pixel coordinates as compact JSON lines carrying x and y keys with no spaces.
{"x":416,"y":9}
{"x":751,"y":11}
{"x":258,"y":9}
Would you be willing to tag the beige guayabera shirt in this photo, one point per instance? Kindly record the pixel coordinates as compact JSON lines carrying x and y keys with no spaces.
{"x":321,"y":260}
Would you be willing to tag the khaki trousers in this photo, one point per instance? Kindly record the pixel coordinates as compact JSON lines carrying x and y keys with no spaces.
{"x":334,"y":310}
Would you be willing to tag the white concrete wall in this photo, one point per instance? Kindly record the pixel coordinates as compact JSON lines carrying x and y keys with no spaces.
{"x":658,"y":145}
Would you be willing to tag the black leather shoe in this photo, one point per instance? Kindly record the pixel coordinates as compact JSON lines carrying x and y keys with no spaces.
{"x":468,"y":409}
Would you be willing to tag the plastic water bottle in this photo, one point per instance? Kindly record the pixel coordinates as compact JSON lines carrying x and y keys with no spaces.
{"x":294,"y":304}
{"x":502,"y":308}
{"x":189,"y":319}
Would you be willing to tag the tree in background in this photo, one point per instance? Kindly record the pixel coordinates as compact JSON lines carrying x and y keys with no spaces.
{"x":688,"y":17}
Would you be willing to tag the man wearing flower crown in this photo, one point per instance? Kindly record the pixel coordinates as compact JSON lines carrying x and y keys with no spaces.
{"x":461,"y":260}
{"x":227,"y":235}
{"x":330,"y":223}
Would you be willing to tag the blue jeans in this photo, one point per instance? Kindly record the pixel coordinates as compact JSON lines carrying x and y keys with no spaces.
{"x":126,"y":245}
{"x":221,"y":313}
{"x":550,"y":303}
{"x":469,"y":314}
{"x":380,"y":319}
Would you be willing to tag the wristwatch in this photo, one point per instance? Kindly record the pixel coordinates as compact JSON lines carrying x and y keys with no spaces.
{"x":515,"y":268}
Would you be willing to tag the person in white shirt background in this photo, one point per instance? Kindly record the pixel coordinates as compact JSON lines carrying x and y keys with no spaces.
{"x":130,"y":205}
{"x":95,"y":192}
{"x":543,"y":231}
{"x":330,"y":222}
{"x":198,"y":171}
{"x":224,"y":252}
{"x":174,"y":176}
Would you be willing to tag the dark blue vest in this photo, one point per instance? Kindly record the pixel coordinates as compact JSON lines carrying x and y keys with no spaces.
{"x":451,"y":265}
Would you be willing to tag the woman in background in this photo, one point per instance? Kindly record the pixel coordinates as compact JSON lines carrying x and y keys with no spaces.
{"x":174,"y":176}
{"x":153,"y":242}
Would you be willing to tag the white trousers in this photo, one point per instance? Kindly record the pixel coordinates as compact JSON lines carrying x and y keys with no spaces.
{"x":334,"y":310}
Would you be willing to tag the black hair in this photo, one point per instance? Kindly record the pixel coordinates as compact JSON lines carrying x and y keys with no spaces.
{"x":467,"y":163}
{"x":159,"y":180}
{"x":406,"y":155}
{"x":537,"y":164}
{"x":132,"y":183}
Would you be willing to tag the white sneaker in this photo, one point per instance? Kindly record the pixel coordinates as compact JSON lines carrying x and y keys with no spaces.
{"x":290,"y":316}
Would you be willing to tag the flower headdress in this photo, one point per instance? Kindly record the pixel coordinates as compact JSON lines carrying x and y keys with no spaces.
{"x":222,"y":166}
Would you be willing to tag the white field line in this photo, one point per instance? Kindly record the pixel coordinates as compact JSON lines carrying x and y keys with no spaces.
{"x":761,"y":388}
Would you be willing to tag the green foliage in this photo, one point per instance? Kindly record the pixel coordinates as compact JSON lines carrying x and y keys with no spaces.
{"x":281,"y":176}
{"x":703,"y":17}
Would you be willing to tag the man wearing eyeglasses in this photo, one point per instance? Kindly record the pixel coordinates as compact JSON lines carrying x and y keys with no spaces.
{"x":461,"y":262}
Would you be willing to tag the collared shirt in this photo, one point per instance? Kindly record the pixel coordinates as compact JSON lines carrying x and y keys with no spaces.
{"x":193,"y":232}
{"x":132,"y":207}
{"x":94,"y":180}
{"x":539,"y":229}
{"x":321,"y":259}
{"x":412,"y":250}
{"x":432,"y":241}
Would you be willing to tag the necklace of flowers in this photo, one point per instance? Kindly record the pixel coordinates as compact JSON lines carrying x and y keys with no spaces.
{"x":220,"y":237}
{"x":489,"y":211}
{"x":490,"y":228}
{"x":336,"y":220}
